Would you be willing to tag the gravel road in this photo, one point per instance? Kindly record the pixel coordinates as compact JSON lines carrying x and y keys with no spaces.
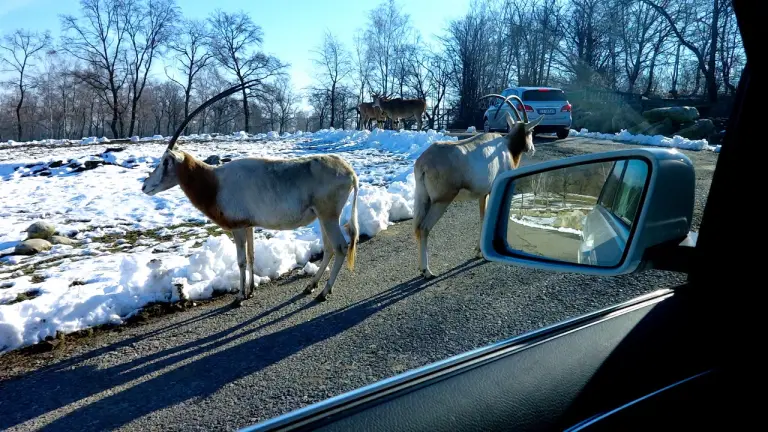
{"x":216,"y":368}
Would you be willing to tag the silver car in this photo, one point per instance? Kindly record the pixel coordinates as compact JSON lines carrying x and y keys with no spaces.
{"x":550,"y":102}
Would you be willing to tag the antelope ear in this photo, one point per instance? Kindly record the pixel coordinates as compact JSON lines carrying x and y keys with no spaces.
{"x":530,"y":125}
{"x":177,"y":155}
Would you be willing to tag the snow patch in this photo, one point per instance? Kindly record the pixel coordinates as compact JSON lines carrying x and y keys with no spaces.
{"x":650,"y":140}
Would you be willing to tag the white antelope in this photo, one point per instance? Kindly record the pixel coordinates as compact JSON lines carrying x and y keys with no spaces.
{"x":268,"y":193}
{"x":464,"y":170}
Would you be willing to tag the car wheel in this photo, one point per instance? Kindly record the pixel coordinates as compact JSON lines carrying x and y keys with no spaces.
{"x":563,"y":133}
{"x":486,"y":126}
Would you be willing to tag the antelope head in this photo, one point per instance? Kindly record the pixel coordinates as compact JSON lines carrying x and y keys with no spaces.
{"x":520,"y":137}
{"x":165,"y":174}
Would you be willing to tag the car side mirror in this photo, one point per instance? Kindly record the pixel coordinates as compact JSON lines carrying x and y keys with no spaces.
{"x":606,"y":213}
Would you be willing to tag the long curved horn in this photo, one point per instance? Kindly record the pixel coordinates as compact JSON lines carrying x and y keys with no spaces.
{"x":506,"y":100}
{"x":206,"y":104}
{"x":525,"y":113}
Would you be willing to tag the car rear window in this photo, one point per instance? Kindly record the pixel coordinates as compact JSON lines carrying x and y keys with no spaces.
{"x":543,"y":96}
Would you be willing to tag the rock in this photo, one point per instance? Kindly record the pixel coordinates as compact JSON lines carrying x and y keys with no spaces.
{"x":113,"y":149}
{"x":226,"y":159}
{"x":91,"y":164}
{"x":57,"y":239}
{"x":212,"y":160}
{"x":44,"y":173}
{"x":678,"y":115}
{"x":7,"y":284}
{"x":40,"y":230}
{"x":665,"y":127}
{"x":702,"y":129}
{"x":56,"y":164}
{"x":32,"y":246}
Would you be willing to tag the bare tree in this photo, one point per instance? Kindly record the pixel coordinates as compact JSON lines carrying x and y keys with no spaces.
{"x":285,"y":102}
{"x":585,"y":48}
{"x":362,"y":65}
{"x":191,"y":55}
{"x":20,"y":49}
{"x":97,"y":39}
{"x":731,"y":52}
{"x":148,"y":28}
{"x":233,"y":35}
{"x":695,"y":20}
{"x":387,"y":31}
{"x":334,"y":65}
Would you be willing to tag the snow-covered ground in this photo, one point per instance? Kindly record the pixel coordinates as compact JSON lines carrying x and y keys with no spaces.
{"x":134,"y":249}
{"x":648,"y":140}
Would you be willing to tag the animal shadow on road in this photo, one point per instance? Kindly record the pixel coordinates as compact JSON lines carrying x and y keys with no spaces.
{"x":47,"y":390}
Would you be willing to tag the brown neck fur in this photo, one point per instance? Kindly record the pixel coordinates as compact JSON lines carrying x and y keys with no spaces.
{"x":517,"y":145}
{"x":200,"y":185}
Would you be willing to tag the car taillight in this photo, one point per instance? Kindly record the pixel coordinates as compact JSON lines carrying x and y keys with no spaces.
{"x":566,"y":108}
{"x":527,"y":108}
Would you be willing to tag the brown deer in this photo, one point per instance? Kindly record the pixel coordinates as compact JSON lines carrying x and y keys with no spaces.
{"x":369,"y":112}
{"x":399,"y":108}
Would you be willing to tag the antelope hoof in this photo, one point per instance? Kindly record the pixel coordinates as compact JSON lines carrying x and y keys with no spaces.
{"x":237,"y":302}
{"x":310,"y":288}
{"x":322,"y":297}
{"x":427,"y":274}
{"x":478,"y":253}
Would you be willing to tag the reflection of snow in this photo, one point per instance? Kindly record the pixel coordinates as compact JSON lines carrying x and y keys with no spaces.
{"x":543,"y":223}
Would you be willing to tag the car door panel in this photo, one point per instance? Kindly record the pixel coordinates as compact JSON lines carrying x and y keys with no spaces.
{"x":552,"y":380}
{"x":702,"y":401}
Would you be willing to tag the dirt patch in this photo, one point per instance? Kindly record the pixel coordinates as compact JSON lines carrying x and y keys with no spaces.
{"x":26,"y":295}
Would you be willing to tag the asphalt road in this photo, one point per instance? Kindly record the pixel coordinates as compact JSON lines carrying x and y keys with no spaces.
{"x":216,"y":368}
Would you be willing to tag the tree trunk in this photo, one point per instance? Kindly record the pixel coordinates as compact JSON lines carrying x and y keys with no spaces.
{"x":711,"y":64}
{"x":333,"y":103}
{"x":18,"y":113}
{"x":246,"y":110}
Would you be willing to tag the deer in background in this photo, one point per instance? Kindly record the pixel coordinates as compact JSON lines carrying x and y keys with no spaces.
{"x":465,"y":170}
{"x":277,"y":194}
{"x":399,"y":108}
{"x":368,"y":112}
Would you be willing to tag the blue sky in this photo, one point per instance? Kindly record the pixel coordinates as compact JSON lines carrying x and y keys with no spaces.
{"x":291,"y":28}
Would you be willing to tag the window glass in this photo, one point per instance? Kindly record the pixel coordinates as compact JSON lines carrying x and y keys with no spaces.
{"x":544,"y":96}
{"x":630,"y":191}
{"x":611,"y":185}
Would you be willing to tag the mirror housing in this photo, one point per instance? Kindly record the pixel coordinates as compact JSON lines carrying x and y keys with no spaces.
{"x":661,"y":225}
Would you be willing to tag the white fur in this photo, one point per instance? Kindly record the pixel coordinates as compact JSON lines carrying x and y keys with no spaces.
{"x":278,"y":194}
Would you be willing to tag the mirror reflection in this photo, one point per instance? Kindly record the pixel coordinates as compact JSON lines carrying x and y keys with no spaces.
{"x":579,"y":214}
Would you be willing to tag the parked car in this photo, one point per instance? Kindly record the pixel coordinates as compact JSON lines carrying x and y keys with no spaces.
{"x":550,"y":102}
